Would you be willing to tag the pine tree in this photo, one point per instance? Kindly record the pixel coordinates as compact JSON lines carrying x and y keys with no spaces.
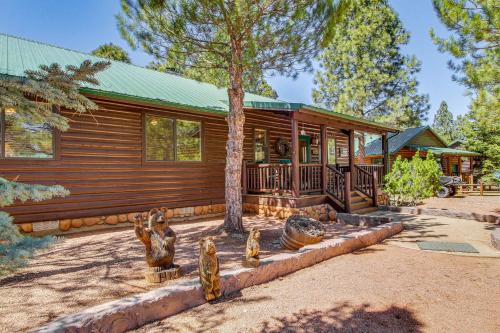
{"x":363,"y":71}
{"x":56,"y":88}
{"x":112,"y":52}
{"x":254,"y":82}
{"x":443,"y":122}
{"x":474,"y":42}
{"x":238,"y":37}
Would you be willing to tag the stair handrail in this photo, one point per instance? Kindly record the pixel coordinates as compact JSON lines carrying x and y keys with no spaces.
{"x":336,"y":184}
{"x":364,"y":182}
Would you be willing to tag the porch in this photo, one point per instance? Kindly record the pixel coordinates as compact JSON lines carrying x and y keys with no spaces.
{"x":317,"y":166}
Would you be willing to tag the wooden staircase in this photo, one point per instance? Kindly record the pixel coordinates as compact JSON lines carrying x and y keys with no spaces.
{"x":361,"y":204}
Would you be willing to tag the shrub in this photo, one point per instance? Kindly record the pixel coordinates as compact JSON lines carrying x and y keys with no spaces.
{"x":411,"y":181}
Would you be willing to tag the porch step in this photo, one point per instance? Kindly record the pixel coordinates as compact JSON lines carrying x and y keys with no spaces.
{"x":366,"y":210}
{"x":360,"y":204}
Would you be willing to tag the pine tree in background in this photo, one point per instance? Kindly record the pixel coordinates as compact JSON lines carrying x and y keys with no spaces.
{"x":238,"y":37}
{"x":112,"y":52}
{"x":475,"y":42}
{"x":253,"y":82}
{"x":364,"y":73}
{"x":55,"y":88}
{"x":443,"y":122}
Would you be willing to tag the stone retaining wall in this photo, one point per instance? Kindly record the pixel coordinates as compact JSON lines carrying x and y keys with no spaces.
{"x":322,"y":212}
{"x":495,"y":238}
{"x":134,"y":311}
{"x":89,"y":223}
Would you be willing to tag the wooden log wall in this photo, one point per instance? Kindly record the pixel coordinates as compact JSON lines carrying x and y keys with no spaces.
{"x":100,"y":160}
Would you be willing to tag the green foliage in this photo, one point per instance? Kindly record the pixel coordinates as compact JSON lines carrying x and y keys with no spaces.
{"x":474,"y":42}
{"x":443,"y":122}
{"x":482,"y":133}
{"x":364,"y":73}
{"x":411,"y":181}
{"x":53,"y":86}
{"x":36,"y":100}
{"x":253,"y":82}
{"x":112,"y":52}
{"x":16,"y":249}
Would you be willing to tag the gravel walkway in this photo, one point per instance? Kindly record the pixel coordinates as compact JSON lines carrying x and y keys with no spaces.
{"x":379,"y":289}
{"x":90,"y":269}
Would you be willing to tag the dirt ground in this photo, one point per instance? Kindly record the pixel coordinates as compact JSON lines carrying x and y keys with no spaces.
{"x":382,"y":288}
{"x":444,"y":229}
{"x":469,"y":203}
{"x":89,"y":269}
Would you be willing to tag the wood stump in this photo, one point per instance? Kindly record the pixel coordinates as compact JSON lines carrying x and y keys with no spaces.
{"x":300,"y":231}
{"x":161,"y":274}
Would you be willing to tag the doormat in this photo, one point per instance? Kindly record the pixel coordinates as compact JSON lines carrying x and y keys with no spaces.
{"x":447,"y":247}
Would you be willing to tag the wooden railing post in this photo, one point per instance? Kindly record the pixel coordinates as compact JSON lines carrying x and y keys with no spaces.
{"x":244,"y":178}
{"x":324,"y":158}
{"x":347,"y":192}
{"x":351,"y":159}
{"x":375,"y":188}
{"x":481,"y":188}
{"x":295,"y":159}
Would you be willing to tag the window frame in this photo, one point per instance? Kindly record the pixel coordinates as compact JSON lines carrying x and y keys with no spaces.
{"x":267,"y":158}
{"x":55,"y":144}
{"x":174,"y":118}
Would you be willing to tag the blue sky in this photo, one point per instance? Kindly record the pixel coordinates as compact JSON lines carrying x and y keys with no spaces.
{"x":85,"y":24}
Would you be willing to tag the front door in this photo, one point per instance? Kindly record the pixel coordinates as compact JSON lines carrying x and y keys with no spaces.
{"x":304,"y":149}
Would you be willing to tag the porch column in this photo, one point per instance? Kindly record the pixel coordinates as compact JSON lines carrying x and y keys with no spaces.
{"x":324,"y":158}
{"x":295,"y":159}
{"x":351,"y":158}
{"x":385,"y":154}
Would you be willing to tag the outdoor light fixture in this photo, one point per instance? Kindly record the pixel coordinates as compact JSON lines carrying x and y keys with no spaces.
{"x":154,"y":122}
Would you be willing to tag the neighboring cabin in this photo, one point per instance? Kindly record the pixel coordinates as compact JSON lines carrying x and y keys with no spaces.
{"x":453,"y":161}
{"x":158,"y":140}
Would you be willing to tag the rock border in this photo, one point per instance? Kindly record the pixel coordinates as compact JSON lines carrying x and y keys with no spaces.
{"x":362,"y":220}
{"x":137,"y":310}
{"x":445,"y":213}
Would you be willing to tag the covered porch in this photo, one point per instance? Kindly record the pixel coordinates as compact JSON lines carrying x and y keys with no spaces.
{"x":317,"y":164}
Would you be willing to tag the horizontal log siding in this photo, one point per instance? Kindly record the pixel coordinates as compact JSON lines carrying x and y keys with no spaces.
{"x":100,"y":161}
{"x":277,"y":126}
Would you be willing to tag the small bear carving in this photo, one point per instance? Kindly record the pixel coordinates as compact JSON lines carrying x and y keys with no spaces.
{"x":253,"y":248}
{"x":158,"y":238}
{"x":209,"y":269}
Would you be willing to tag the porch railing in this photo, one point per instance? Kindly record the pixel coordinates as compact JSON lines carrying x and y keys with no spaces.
{"x":261,"y":178}
{"x":371,"y":168}
{"x":336,"y":184}
{"x":310,"y":178}
{"x":365,"y":182}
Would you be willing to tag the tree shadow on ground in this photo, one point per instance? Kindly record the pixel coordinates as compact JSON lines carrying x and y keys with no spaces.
{"x":347,"y":318}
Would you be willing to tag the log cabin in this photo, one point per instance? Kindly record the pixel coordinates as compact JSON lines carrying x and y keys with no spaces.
{"x":453,"y":161}
{"x":158,"y":140}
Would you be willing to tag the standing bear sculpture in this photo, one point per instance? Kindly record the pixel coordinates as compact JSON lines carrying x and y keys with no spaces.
{"x":253,"y":248}
{"x":209,"y":269}
{"x":159,"y":241}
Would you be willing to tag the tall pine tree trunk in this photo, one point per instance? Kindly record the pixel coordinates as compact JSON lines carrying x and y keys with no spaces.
{"x":234,"y":147}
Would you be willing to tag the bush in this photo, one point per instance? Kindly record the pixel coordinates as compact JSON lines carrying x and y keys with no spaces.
{"x":411,"y":181}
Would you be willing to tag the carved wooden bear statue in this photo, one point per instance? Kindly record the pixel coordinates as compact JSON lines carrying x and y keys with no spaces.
{"x":209,"y":269}
{"x":253,"y":248}
{"x":158,"y":238}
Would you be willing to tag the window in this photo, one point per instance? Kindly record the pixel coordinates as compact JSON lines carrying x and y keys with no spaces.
{"x":261,"y":146}
{"x":332,"y":156}
{"x":172,"y":139}
{"x":20,"y":139}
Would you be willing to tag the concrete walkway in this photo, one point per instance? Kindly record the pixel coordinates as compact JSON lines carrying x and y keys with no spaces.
{"x":438,"y":228}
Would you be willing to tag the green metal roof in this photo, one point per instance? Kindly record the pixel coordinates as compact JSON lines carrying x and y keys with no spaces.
{"x":442,"y":150}
{"x":400,"y":140}
{"x":130,"y":82}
